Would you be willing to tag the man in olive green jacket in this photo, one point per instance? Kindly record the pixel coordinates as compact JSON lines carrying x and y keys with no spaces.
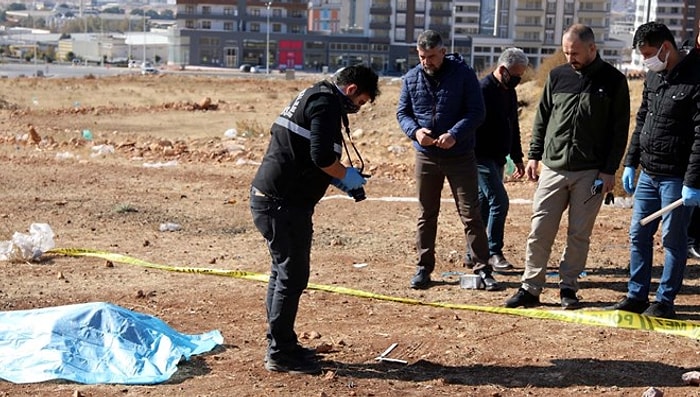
{"x":579,"y":135}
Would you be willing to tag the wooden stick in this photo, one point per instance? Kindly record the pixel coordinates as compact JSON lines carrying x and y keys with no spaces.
{"x":662,"y":211}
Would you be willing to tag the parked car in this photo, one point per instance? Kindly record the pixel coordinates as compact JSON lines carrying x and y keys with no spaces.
{"x":148,"y":69}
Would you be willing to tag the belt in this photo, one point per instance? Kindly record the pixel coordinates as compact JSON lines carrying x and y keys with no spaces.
{"x":257,"y":192}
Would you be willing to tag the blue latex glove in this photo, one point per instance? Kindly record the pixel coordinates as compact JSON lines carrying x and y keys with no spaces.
{"x":337,"y":183}
{"x":353,"y":180}
{"x":628,"y":179}
{"x":691,"y":196}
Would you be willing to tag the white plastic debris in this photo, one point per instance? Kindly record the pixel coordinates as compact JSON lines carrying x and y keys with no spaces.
{"x":169,"y":227}
{"x":171,"y":163}
{"x":102,"y":150}
{"x":28,"y":247}
{"x":231,"y":133}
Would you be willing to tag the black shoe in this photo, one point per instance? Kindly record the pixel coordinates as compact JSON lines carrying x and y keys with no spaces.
{"x":490,"y":284}
{"x":292,"y":365}
{"x":660,"y":309}
{"x":522,"y":298}
{"x":499,"y":263}
{"x":630,"y":305}
{"x":299,"y":351}
{"x":421,"y":280}
{"x":569,"y":300}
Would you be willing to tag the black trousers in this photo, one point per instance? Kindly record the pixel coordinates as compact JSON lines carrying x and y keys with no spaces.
{"x":288,"y":231}
{"x":694,"y":228}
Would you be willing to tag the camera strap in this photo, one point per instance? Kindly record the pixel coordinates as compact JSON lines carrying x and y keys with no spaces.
{"x":346,"y":126}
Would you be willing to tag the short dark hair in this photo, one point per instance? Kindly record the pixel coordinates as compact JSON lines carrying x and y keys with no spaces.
{"x":364,"y":77}
{"x":653,"y":34}
{"x":582,"y":32}
{"x":429,"y":39}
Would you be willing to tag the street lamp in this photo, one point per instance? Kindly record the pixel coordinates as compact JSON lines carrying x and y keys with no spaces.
{"x":452,"y":34}
{"x":267,"y":40}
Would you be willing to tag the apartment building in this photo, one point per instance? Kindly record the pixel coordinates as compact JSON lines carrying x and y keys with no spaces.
{"x":681,"y":17}
{"x":309,"y":35}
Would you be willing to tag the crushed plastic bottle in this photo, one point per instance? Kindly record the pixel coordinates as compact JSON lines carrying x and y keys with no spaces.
{"x":87,"y":135}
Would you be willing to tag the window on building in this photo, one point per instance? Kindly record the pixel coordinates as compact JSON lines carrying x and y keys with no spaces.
{"x":419,"y":20}
{"x":230,"y":11}
{"x":401,"y":19}
{"x":420,"y":6}
{"x":531,"y":36}
{"x":277,"y":27}
{"x":255,"y":12}
{"x":296,"y":28}
{"x":189,"y":24}
{"x":228,"y":25}
{"x":401,"y":5}
{"x":400,"y":34}
{"x":189,"y":9}
{"x":549,"y":37}
{"x":206,"y":25}
{"x":551,"y":7}
{"x":206,"y":10}
{"x":254,"y":27}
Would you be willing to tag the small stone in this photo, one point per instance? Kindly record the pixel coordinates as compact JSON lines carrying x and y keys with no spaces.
{"x":653,"y":392}
{"x":691,"y":378}
{"x":109,"y":264}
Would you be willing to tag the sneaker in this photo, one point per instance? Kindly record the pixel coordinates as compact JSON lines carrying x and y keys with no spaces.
{"x":569,"y":300}
{"x":490,"y":284}
{"x":499,"y":263}
{"x":292,"y":365}
{"x":630,"y":305}
{"x":421,"y":280}
{"x":660,"y":309}
{"x":522,"y":298}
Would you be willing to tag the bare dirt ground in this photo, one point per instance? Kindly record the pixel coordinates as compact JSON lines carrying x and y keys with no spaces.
{"x":114,"y":202}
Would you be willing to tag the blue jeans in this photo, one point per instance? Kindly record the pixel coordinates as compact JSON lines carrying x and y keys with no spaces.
{"x":653,"y":193}
{"x":494,"y":203}
{"x":288,"y":231}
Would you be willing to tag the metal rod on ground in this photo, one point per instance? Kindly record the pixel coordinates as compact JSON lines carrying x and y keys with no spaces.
{"x":662,"y":211}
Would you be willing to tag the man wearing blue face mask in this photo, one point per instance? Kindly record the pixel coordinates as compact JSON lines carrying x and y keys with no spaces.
{"x":666,"y":144}
{"x":302,"y":159}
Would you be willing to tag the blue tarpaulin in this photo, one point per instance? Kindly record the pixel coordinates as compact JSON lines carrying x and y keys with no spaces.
{"x":93,"y":343}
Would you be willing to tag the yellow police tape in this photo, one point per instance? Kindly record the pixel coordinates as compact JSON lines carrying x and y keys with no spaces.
{"x":605,"y":318}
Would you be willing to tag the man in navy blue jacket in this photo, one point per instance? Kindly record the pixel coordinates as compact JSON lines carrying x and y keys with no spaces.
{"x":439,"y":109}
{"x":498,"y":137}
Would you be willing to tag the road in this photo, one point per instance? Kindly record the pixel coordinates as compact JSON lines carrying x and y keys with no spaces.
{"x":59,"y":70}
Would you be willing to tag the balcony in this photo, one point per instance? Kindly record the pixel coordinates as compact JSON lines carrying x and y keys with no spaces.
{"x":380,"y":25}
{"x":380,"y":9}
{"x":440,"y":27}
{"x":440,"y":12}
